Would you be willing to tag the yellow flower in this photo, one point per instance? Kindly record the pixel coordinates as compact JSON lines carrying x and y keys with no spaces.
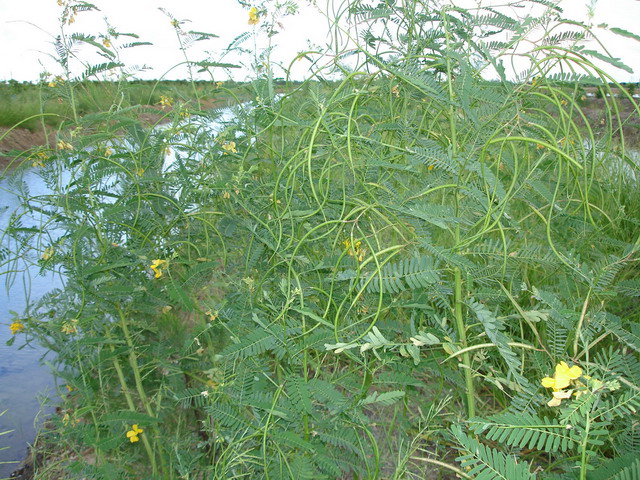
{"x":166,"y":101}
{"x":157,"y":266}
{"x":219,"y":84}
{"x":16,"y":327}
{"x":548,"y":382}
{"x":51,"y":84}
{"x":106,"y":42}
{"x":48,"y":253}
{"x":564,"y":375}
{"x":253,"y":16}
{"x":132,"y":434}
{"x":62,"y":145}
{"x":39,"y":160}
{"x":229,"y":147}
{"x":70,"y":327}
{"x":226,"y":195}
{"x":108,"y":152}
{"x":356,"y":250}
{"x":395,"y":90}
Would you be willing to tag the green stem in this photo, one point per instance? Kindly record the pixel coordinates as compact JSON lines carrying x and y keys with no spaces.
{"x":583,"y":447}
{"x":131,"y":405}
{"x":458,"y":298}
{"x":583,"y":313}
{"x":133,"y":362}
{"x":462,"y":337}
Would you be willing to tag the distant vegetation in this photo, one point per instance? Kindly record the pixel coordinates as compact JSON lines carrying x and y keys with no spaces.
{"x":29,"y":101}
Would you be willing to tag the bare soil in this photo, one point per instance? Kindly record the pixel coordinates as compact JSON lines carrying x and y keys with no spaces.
{"x":19,"y":139}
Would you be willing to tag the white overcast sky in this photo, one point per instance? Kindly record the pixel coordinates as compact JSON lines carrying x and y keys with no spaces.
{"x":27,"y":28}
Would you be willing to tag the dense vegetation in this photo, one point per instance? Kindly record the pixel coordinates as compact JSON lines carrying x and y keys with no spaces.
{"x":410,"y":272}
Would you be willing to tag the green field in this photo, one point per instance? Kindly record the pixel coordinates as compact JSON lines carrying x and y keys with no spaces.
{"x":392,"y":270}
{"x":30,"y":104}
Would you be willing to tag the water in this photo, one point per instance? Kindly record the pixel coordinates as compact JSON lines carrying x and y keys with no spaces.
{"x":24,"y":381}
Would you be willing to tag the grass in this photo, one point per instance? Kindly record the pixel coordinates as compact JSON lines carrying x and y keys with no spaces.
{"x":28,"y":101}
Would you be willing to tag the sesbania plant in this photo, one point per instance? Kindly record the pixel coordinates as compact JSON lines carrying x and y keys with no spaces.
{"x":390,"y":267}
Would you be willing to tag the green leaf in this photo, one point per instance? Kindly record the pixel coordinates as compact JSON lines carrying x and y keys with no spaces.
{"x":299,"y":394}
{"x":386,"y":398}
{"x":616,"y":62}
{"x":624,"y":33}
{"x":525,"y":431}
{"x":485,"y":463}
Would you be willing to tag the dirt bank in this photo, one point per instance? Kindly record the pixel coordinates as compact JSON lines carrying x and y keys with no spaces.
{"x":20,"y":139}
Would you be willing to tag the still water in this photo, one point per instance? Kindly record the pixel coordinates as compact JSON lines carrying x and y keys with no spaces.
{"x":24,"y":381}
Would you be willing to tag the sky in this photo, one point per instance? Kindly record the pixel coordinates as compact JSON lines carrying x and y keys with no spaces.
{"x":28,"y":27}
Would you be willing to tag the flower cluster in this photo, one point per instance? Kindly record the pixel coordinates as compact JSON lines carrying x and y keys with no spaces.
{"x":229,"y":147}
{"x":157,"y":266}
{"x":165,"y":101}
{"x":355,"y":250}
{"x":70,"y":327}
{"x":39,"y":159}
{"x":253,"y":16}
{"x":48,"y":253}
{"x":133,"y":434}
{"x":563,"y":377}
{"x":16,"y":327}
{"x":62,"y":145}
